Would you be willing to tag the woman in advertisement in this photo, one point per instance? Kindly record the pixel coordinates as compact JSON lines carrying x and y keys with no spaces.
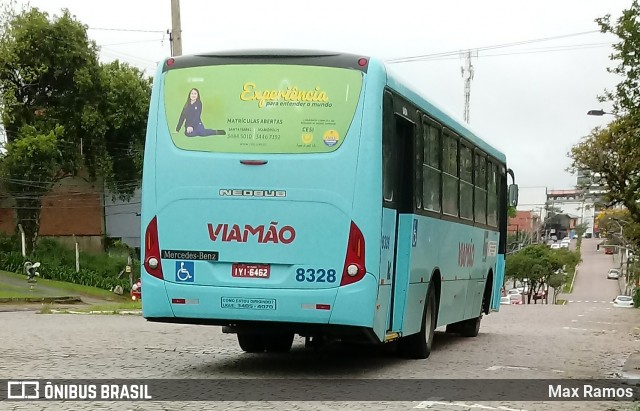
{"x":191,"y":117}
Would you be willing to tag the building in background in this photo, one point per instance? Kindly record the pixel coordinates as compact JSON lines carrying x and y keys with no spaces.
{"x":525,"y":226}
{"x":574,"y":203}
{"x":78,"y":211}
{"x":122,"y":219}
{"x":72,"y":212}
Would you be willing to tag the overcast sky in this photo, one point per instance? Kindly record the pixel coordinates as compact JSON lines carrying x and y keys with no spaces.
{"x":528,"y":100}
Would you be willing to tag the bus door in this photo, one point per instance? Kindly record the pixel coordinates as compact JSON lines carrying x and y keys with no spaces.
{"x":397,"y":219}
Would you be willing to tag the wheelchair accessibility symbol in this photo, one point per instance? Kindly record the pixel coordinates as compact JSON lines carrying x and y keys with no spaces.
{"x":185,"y":271}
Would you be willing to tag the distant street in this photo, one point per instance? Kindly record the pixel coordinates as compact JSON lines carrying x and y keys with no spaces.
{"x":591,"y":283}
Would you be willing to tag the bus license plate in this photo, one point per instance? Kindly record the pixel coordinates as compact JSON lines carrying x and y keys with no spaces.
{"x":251,"y":270}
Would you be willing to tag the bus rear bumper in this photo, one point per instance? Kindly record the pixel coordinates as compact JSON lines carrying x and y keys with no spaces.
{"x":352,"y":305}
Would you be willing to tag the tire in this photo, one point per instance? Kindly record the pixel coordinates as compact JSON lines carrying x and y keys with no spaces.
{"x":252,"y":343}
{"x":278,"y":342}
{"x":470,"y":327}
{"x":418,"y":346}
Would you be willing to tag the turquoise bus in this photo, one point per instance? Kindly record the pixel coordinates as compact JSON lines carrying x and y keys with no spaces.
{"x":315,"y":193}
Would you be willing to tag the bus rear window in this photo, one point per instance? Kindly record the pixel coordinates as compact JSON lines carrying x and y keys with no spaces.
{"x":260,"y":108}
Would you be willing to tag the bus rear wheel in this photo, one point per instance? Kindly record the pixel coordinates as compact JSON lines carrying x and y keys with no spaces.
{"x":252,"y":343}
{"x":278,"y":342}
{"x":418,"y":346}
{"x":466,"y":328}
{"x":470,"y":327}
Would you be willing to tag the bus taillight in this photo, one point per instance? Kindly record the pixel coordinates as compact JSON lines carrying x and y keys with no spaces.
{"x":354,"y":267}
{"x":152,"y":250}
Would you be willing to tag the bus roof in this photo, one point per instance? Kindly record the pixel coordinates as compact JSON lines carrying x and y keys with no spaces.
{"x":438,"y":113}
{"x":271,"y":56}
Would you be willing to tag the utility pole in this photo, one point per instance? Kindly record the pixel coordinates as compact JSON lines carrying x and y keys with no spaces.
{"x":467,"y":75}
{"x":175,"y":37}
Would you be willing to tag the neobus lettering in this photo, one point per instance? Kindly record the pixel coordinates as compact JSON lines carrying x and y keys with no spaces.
{"x":251,"y":193}
{"x":272,"y":234}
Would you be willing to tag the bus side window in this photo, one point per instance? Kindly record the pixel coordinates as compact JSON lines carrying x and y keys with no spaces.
{"x":431,"y":171}
{"x":492,"y":195}
{"x":480,"y":181}
{"x":450,"y":183}
{"x":466,"y":183}
{"x":388,"y":160}
{"x":418,"y":164}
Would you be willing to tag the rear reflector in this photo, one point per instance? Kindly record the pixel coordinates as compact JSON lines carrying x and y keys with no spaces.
{"x":354,"y":267}
{"x":177,"y":301}
{"x":316,"y":306}
{"x":152,"y":262}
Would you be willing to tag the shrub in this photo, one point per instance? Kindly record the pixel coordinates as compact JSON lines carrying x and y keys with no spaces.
{"x":636,"y":297}
{"x":59,"y":263}
{"x":12,"y":261}
{"x":9,"y":243}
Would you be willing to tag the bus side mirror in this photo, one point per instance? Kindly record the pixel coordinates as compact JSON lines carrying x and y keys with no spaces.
{"x":513,"y":195}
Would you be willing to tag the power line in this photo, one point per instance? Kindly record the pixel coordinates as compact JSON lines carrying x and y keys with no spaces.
{"x":130,"y":42}
{"x":126,"y":30}
{"x":535,"y":51}
{"x":484,"y":48}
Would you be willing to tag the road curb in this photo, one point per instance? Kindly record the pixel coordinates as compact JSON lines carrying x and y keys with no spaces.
{"x":631,"y":368}
{"x":575,"y":274}
{"x":47,"y":300}
{"x":103,"y":312}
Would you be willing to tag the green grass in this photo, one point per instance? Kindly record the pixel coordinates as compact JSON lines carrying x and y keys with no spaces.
{"x":75,"y":289}
{"x":18,"y":294}
{"x":567,"y":287}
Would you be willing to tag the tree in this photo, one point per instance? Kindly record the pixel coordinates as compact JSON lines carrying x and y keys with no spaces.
{"x":50,"y":77}
{"x":531,"y":265}
{"x":29,"y":168}
{"x":626,"y":96}
{"x":619,"y":228}
{"x":48,"y":71}
{"x":580,"y":230}
{"x":118,"y":123}
{"x":563,"y":261}
{"x":556,"y":281}
{"x":614,"y":152}
{"x":537,"y":264}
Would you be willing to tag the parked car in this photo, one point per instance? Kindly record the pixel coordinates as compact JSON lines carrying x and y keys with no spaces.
{"x":613,"y":274}
{"x":515,"y":298}
{"x":623,"y":301}
{"x":515,"y":291}
{"x":505,"y":301}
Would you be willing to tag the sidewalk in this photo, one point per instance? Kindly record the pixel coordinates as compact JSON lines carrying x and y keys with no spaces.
{"x":16,"y":294}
